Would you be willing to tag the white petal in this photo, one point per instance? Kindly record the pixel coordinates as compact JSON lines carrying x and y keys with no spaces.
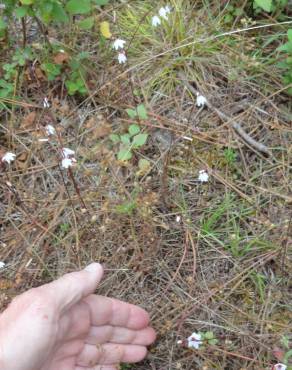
{"x":122,"y":58}
{"x":203,"y":176}
{"x":67,"y":152}
{"x":156,"y":21}
{"x":279,"y":366}
{"x":118,"y":44}
{"x":8,"y":157}
{"x":50,"y":130}
{"x":46,"y":103}
{"x":201,"y":100}
{"x":68,"y":162}
{"x":163,"y":13}
{"x":2,"y":264}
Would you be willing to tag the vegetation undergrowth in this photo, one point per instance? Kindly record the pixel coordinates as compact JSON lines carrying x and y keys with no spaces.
{"x":121,"y":141}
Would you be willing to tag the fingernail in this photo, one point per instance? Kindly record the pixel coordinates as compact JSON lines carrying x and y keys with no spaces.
{"x":93,"y":267}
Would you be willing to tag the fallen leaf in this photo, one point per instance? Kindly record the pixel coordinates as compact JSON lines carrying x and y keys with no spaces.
{"x":61,"y":57}
{"x":29,"y":120}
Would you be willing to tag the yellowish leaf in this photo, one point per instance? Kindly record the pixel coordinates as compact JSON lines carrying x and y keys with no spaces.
{"x":105,"y":30}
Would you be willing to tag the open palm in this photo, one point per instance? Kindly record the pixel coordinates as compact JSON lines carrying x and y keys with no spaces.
{"x":63,"y":326}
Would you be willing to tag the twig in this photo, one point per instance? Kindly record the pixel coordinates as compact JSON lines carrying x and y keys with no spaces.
{"x":224,"y":117}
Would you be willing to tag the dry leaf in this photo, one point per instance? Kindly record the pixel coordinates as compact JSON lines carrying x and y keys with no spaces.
{"x":99,"y":127}
{"x":61,"y":57}
{"x":29,"y":120}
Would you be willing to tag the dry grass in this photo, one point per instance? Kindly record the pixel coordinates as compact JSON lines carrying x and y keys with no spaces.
{"x":224,"y":267}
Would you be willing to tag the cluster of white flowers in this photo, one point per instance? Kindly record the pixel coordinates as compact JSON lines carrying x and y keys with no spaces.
{"x":68,"y":159}
{"x":8,"y":157}
{"x":195,"y":341}
{"x":119,"y":46}
{"x":2,"y":264}
{"x":203,"y":176}
{"x":163,"y":13}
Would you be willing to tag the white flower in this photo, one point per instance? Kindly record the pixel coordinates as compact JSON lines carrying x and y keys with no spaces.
{"x":46,"y":103}
{"x":156,"y":21}
{"x":8,"y":157}
{"x":68,"y":162}
{"x":66,"y":152}
{"x":118,"y":44}
{"x":2,"y":264}
{"x":164,"y":11}
{"x":43,"y":140}
{"x":194,"y":341}
{"x":178,"y":219}
{"x":122,"y":58}
{"x":203,"y":176}
{"x":50,"y":130}
{"x":279,"y":367}
{"x":201,"y":100}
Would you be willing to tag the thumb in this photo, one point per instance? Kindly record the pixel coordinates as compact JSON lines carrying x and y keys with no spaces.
{"x":71,"y":288}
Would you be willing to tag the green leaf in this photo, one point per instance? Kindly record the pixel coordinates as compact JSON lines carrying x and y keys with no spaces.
{"x":289,"y":34}
{"x":86,"y":23}
{"x":114,"y":138}
{"x":3,"y":24}
{"x":131,"y":113}
{"x":209,"y":335}
{"x":139,"y":140}
{"x":100,"y":2}
{"x":213,"y":341}
{"x":21,"y":12}
{"x":142,"y":113}
{"x":286,"y":47}
{"x":134,"y":130}
{"x":59,"y":14}
{"x":125,"y":154}
{"x":266,"y":5}
{"x":125,"y":139}
{"x":126,"y":207}
{"x":78,"y":6}
{"x":27,"y":2}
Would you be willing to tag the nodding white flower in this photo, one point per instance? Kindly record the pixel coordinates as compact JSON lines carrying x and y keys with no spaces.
{"x":164,"y":11}
{"x":8,"y":157}
{"x":201,"y":100}
{"x":2,"y":264}
{"x":195,"y":340}
{"x":279,"y":366}
{"x":50,"y":130}
{"x":66,"y":152}
{"x":46,"y":103}
{"x":118,"y":44}
{"x":203,"y":176}
{"x":122,"y":58}
{"x":156,"y":21}
{"x":68,"y":162}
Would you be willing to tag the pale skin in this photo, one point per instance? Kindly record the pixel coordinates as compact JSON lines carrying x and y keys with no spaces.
{"x":64,"y":326}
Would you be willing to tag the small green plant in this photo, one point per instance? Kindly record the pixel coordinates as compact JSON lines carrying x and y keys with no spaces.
{"x":232,"y":12}
{"x":133,"y":139}
{"x":286,"y":64}
{"x":269,"y":6}
{"x":209,"y":338}
{"x":230,"y":155}
{"x":140,"y":112}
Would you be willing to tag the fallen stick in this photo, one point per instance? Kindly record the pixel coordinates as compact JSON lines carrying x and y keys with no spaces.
{"x":224,"y":117}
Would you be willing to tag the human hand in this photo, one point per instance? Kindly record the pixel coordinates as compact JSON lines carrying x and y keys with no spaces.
{"x":63,"y":326}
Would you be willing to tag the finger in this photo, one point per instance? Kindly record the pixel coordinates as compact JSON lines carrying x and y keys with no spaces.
{"x":109,"y":354}
{"x":99,"y":367}
{"x":109,"y":311}
{"x":115,"y":334}
{"x":70,"y":288}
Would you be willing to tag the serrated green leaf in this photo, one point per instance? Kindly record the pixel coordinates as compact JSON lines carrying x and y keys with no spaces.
{"x":114,"y":138}
{"x":134,"y":129}
{"x":124,"y":154}
{"x":141,"y":110}
{"x":131,"y":113}
{"x":139,"y":140}
{"x":78,"y":6}
{"x":266,"y":5}
{"x":86,"y":23}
